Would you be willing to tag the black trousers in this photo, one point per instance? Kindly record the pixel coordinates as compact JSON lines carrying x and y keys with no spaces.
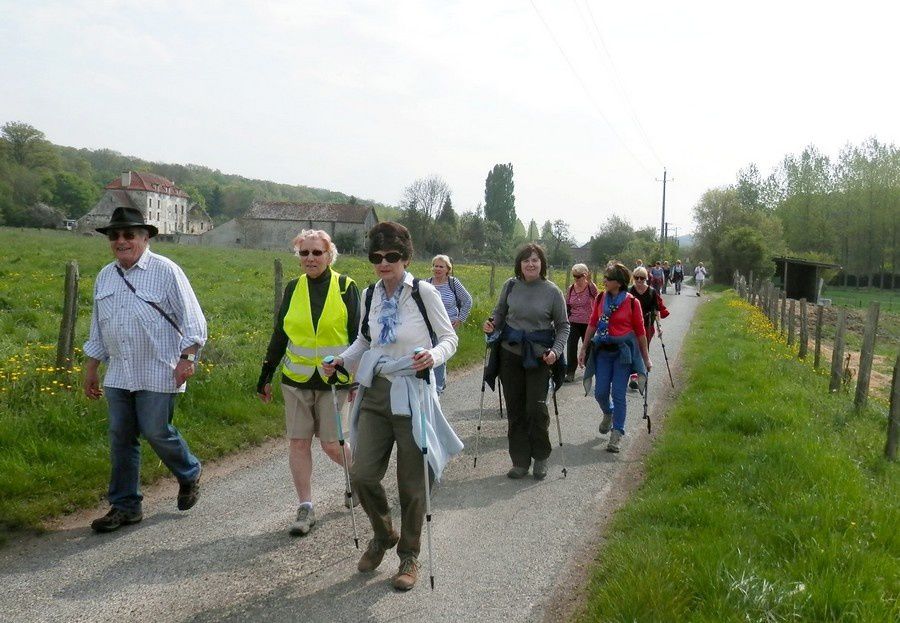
{"x":526,"y":408}
{"x":576,"y":333}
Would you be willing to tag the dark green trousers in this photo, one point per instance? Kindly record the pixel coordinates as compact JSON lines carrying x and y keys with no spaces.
{"x":526,"y":407}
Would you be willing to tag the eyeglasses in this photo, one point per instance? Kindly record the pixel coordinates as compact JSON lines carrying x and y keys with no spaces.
{"x":127,"y":234}
{"x":315,"y":252}
{"x":640,"y":279}
{"x":392,"y":257}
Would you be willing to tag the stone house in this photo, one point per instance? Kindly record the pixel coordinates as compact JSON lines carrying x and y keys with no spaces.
{"x":163,"y":204}
{"x":274,"y":224}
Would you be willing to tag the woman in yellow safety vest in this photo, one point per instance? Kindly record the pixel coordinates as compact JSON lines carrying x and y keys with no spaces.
{"x":319,"y":316}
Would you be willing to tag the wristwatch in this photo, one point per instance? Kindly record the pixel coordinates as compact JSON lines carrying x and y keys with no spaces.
{"x":190,"y":357}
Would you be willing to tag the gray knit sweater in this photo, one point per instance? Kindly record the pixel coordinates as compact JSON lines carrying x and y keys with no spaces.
{"x":533,"y":306}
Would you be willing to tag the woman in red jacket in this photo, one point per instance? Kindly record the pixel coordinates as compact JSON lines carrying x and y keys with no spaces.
{"x":616,"y":331}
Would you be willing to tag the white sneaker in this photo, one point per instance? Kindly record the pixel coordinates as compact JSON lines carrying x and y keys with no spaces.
{"x":614,"y":439}
{"x":306,"y":519}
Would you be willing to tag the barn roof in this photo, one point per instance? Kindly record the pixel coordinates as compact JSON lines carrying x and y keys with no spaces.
{"x":290,"y":211}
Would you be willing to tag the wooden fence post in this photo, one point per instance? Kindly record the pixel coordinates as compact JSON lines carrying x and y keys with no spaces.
{"x":783,"y":324}
{"x":568,"y":278}
{"x":493,"y":273}
{"x":893,"y":431}
{"x":804,"y":330}
{"x":791,"y":323}
{"x":279,"y":289}
{"x":752,"y":289}
{"x":66,"y":342}
{"x":818,"y":354}
{"x":866,"y":355}
{"x":837,"y":356}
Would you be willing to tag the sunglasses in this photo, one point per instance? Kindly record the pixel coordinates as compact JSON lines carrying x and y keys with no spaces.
{"x":315,"y":252}
{"x":640,"y":279}
{"x":126,"y":234}
{"x":392,"y":258}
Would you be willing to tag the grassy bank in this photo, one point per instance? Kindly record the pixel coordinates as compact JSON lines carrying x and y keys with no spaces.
{"x":766,"y":499}
{"x":53,"y":449}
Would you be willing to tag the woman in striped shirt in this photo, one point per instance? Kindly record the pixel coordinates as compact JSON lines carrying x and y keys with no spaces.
{"x":457,"y":301}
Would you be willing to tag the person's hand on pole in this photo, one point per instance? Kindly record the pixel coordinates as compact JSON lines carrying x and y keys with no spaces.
{"x":422,"y":360}
{"x":266,"y":394}
{"x":488,"y":326}
{"x":329,"y":364}
{"x":184,"y":370}
{"x":549,"y":357}
{"x":92,"y":387}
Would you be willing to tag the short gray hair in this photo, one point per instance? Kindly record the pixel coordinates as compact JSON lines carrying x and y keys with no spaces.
{"x":446,"y":260}
{"x":311,"y":234}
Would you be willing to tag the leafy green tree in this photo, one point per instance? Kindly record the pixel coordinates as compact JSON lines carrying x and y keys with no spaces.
{"x":533,"y":233}
{"x":27,"y":146}
{"x":559,"y":245}
{"x":611,"y":240}
{"x":743,"y":249}
{"x":448,"y":216}
{"x":75,"y":196}
{"x":500,"y":199}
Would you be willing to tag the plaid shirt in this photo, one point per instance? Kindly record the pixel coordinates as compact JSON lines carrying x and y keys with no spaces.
{"x":140,"y":347}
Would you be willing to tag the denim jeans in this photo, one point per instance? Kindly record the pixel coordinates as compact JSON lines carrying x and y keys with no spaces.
{"x":149,"y":414}
{"x":440,"y":378}
{"x":610,"y":373}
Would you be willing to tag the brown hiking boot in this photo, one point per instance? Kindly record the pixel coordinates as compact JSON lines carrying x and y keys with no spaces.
{"x":374,"y":553}
{"x":406,"y":575}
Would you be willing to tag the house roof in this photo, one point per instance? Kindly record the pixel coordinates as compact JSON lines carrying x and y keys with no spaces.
{"x":289,"y":211}
{"x":121,"y":198}
{"x":798,"y":260}
{"x":148,"y":182}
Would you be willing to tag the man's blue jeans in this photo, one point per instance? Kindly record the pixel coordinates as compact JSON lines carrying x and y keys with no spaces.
{"x":149,"y":414}
{"x":611,"y":374}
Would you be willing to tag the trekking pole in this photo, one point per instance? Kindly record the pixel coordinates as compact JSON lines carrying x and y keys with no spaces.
{"x":342,"y":376}
{"x":551,"y":391}
{"x":500,"y":396}
{"x":646,"y":391}
{"x":663,"y":344}
{"x":425,"y":376}
{"x":480,"y":407}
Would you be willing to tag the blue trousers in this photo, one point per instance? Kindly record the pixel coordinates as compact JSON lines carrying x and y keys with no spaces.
{"x":440,"y":377}
{"x":611,"y":377}
{"x":132,"y":414}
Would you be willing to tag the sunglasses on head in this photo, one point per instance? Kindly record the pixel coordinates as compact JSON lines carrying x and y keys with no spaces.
{"x":315,"y":252}
{"x":376,"y":257}
{"x":126,"y":234}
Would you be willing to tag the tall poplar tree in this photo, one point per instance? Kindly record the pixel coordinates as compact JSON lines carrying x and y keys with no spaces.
{"x":500,"y":200}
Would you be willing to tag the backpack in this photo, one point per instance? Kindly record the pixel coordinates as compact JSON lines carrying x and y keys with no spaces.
{"x":452,"y":281}
{"x":417,"y":297}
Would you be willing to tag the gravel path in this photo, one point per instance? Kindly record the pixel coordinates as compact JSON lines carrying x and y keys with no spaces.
{"x":504,"y":550}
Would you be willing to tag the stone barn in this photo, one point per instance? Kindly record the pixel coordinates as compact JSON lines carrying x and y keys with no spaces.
{"x":274,"y":224}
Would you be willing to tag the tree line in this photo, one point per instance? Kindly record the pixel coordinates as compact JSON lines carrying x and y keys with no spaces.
{"x":42,"y":184}
{"x":843,"y":210}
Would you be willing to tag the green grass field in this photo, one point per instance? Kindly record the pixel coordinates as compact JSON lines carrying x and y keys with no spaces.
{"x":853,"y":297}
{"x":53,"y":448}
{"x":766,"y":498}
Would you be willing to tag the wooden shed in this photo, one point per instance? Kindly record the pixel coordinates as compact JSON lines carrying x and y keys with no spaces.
{"x":799,"y":277}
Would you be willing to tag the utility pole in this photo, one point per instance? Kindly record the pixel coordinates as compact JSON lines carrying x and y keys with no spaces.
{"x":662,"y":222}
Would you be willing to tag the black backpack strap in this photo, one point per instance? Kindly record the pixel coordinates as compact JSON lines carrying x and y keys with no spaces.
{"x":452,"y":281}
{"x":364,"y":329}
{"x":417,"y":297}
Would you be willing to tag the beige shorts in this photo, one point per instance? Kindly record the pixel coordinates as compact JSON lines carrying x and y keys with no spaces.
{"x":310,"y":412}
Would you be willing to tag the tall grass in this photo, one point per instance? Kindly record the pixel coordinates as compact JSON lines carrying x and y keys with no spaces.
{"x":766,"y":499}
{"x":53,"y":448}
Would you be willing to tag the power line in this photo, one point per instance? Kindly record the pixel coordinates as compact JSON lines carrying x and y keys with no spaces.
{"x":617,"y":78}
{"x":586,"y":90}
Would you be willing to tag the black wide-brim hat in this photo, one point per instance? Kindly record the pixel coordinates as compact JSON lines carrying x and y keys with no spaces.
{"x":123,"y":218}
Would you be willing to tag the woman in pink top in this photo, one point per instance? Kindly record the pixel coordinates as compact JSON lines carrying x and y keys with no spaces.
{"x":579,"y":301}
{"x":616,"y":331}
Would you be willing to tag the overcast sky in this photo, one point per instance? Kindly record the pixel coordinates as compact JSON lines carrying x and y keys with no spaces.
{"x":588,"y":100}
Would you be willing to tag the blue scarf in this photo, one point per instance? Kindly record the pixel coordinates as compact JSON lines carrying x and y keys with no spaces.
{"x":389,"y":317}
{"x":610,"y":305}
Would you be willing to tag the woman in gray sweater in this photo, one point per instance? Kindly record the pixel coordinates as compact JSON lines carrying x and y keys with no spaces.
{"x":531,"y":326}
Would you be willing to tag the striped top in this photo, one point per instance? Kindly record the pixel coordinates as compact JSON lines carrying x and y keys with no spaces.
{"x":449,"y":298}
{"x":139,"y":346}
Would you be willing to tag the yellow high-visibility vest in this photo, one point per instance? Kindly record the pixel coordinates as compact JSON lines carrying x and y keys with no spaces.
{"x":307,"y":347}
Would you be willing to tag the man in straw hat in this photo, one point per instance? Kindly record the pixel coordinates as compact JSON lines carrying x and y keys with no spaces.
{"x":147,"y":326}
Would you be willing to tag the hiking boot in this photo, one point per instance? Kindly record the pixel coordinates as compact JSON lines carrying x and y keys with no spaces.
{"x":570,"y":378}
{"x":348,"y":497}
{"x":115,"y":519}
{"x":306,"y":519}
{"x":188,"y":492}
{"x":614,"y":439}
{"x":540,"y":469}
{"x":632,"y":383}
{"x":698,"y":294}
{"x":605,"y":423}
{"x":406,"y":575}
{"x":517,"y":472}
{"x":374,"y":554}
